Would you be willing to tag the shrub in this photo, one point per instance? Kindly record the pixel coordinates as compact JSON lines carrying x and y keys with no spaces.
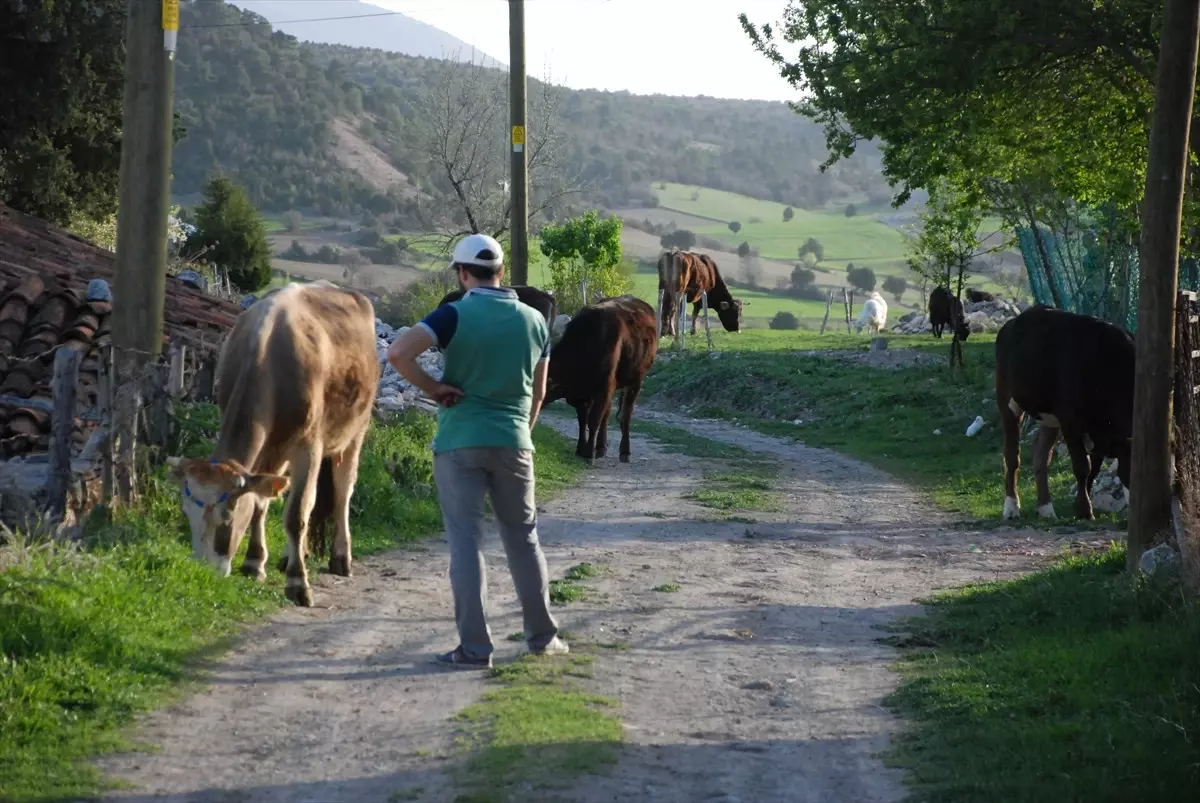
{"x":784,"y":320}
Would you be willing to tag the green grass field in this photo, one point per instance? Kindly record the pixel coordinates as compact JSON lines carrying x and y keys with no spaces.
{"x":862,"y":239}
{"x":92,"y":637}
{"x":1074,"y":683}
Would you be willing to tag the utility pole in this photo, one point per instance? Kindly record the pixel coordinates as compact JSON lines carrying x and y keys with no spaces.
{"x":151,"y":30}
{"x":519,"y":186}
{"x":1162,"y":210}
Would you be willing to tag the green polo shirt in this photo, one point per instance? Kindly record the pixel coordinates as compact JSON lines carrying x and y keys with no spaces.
{"x":491,"y":343}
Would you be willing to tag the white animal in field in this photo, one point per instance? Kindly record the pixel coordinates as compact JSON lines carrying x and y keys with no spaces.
{"x":559,"y":326}
{"x":873,"y":316}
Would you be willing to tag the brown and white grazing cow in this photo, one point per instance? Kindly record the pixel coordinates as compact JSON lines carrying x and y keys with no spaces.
{"x":296,"y":384}
{"x":1074,"y":375}
{"x":683,"y":274}
{"x":946,"y":309}
{"x":607,"y":346}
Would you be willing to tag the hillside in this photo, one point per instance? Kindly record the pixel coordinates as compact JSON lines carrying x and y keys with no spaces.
{"x":262,"y":106}
{"x":363,"y":25}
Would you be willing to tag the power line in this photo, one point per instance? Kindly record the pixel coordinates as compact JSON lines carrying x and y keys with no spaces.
{"x":289,"y":22}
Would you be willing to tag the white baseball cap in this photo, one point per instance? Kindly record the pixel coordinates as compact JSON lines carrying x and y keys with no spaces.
{"x":479,"y":250}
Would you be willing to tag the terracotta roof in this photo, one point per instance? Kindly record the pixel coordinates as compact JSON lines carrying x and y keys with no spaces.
{"x":44,"y":303}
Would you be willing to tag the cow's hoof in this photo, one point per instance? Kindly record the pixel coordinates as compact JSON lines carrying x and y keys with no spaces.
{"x":1012,"y":509}
{"x":601,"y":453}
{"x":339,"y":565}
{"x":624,"y":458}
{"x":1084,"y":513}
{"x":1046,"y":511}
{"x":300,"y":595}
{"x":254,"y":571}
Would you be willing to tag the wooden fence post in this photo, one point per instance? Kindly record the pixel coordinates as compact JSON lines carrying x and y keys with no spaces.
{"x":828,"y":307}
{"x":58,"y":480}
{"x":178,"y":361}
{"x":108,"y":454}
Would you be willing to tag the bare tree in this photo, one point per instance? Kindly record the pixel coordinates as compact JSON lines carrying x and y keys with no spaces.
{"x":467,"y":143}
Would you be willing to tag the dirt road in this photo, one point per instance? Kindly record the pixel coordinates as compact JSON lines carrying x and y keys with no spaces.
{"x":760,"y":679}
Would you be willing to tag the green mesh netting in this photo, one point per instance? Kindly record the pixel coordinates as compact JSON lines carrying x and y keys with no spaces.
{"x":1091,"y":276}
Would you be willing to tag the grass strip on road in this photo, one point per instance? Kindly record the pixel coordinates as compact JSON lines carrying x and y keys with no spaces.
{"x":539,"y":727}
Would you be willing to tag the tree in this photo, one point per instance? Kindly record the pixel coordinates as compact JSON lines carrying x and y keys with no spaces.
{"x":861,"y":278}
{"x":680,"y":238}
{"x":949,"y":238}
{"x":743,"y":250}
{"x":1043,"y":77}
{"x":585,"y":249}
{"x":802,"y":278}
{"x":735,"y":227}
{"x":751,"y":269}
{"x":467,"y":114}
{"x":814,"y":247}
{"x":62,"y":68}
{"x":296,"y":252}
{"x":896,"y":285}
{"x":292,"y":221}
{"x":851,"y":210}
{"x":233,"y":235}
{"x":788,"y":214}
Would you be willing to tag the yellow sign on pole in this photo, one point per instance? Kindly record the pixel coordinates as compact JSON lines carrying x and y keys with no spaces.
{"x":170,"y":15}
{"x":518,"y":137}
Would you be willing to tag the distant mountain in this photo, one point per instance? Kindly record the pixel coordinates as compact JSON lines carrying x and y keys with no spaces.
{"x":396,"y":33}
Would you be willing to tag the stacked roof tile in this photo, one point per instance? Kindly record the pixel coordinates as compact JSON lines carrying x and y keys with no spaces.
{"x":46,"y":302}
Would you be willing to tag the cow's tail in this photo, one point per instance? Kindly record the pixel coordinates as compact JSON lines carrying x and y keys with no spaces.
{"x":321,"y":519}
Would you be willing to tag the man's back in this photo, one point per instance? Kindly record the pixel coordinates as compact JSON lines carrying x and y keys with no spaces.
{"x":492,"y":343}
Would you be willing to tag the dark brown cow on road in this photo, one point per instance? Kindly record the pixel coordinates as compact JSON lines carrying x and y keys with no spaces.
{"x":1074,"y":375}
{"x":296,"y":386}
{"x":607,"y":346}
{"x":541,"y":300}
{"x":683,"y":274}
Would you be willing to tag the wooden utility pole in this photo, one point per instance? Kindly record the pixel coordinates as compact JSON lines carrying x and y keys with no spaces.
{"x":141,"y":264}
{"x":519,"y":185}
{"x":1162,"y":209}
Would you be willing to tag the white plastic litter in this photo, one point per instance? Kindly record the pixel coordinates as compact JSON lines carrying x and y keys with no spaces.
{"x":976,"y":425}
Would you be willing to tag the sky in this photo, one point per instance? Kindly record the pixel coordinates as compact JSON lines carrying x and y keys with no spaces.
{"x":674,"y":47}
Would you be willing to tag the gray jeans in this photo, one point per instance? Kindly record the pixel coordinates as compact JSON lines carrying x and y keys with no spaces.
{"x":463,"y":477}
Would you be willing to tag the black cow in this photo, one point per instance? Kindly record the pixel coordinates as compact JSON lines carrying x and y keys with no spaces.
{"x":607,"y":346}
{"x":978,"y":296}
{"x":1074,"y":375}
{"x":540,"y":300}
{"x":945,"y":309}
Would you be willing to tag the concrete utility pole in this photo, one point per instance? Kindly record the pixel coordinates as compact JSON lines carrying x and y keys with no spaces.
{"x":519,"y":224}
{"x":151,"y":29}
{"x":1162,"y":210}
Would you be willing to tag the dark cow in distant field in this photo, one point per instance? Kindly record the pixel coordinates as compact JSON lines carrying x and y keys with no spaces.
{"x":540,"y":300}
{"x":607,"y":346}
{"x":945,"y":309}
{"x":978,"y":296}
{"x":1074,"y":375}
{"x":683,"y":274}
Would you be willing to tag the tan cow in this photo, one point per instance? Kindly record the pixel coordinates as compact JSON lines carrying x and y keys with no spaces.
{"x":296,"y":380}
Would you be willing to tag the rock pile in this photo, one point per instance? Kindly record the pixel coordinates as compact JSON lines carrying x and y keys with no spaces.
{"x":395,"y":393}
{"x":1108,"y":494}
{"x":986,"y":316}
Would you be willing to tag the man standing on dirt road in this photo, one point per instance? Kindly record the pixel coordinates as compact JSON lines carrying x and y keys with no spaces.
{"x":497,"y":352}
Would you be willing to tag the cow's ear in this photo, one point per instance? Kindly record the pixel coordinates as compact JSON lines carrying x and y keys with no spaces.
{"x":268,"y":486}
{"x":724,"y":305}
